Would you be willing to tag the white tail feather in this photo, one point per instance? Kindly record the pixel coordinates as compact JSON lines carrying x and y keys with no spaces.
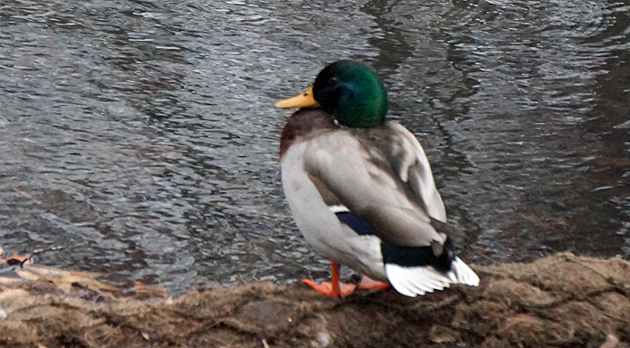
{"x":412,"y":281}
{"x":464,"y":274}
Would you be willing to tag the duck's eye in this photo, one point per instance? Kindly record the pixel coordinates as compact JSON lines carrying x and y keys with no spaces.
{"x":333,"y":81}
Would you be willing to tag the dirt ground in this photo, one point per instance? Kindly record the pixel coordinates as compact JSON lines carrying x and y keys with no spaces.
{"x":559,"y":301}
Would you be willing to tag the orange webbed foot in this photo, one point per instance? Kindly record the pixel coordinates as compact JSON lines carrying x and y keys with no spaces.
{"x":328,"y":289}
{"x":368,"y":283}
{"x":335,"y":288}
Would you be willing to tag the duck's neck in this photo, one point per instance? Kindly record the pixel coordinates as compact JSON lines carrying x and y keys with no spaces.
{"x":302,"y":123}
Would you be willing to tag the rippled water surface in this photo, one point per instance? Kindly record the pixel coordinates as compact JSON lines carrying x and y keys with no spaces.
{"x":141,"y":135}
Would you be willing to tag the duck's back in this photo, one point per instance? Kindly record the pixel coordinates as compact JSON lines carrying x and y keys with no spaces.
{"x":394,"y":148}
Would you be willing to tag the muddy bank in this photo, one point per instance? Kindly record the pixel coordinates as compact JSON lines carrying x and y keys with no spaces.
{"x":559,"y":301}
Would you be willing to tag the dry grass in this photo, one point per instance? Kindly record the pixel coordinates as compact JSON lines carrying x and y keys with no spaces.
{"x":559,"y":301}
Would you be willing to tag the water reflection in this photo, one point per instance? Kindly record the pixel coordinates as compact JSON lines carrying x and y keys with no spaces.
{"x":610,"y":168}
{"x":530,"y":90}
{"x":141,"y":134}
{"x":391,"y":44}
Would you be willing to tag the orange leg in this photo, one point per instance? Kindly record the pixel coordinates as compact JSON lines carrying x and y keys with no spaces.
{"x":334,"y":288}
{"x":371,"y":284}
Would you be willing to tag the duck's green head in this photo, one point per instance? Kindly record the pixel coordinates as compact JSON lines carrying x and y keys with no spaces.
{"x":350,"y":91}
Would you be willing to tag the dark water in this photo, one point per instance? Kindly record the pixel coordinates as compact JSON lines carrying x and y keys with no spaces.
{"x":141,"y":134}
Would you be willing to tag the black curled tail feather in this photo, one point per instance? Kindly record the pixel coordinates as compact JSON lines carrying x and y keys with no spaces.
{"x":439,"y":256}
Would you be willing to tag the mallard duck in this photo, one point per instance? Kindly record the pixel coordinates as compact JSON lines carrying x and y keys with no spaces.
{"x":360,"y":188}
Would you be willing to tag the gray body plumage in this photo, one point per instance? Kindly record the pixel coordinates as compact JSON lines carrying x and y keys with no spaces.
{"x":380,"y":174}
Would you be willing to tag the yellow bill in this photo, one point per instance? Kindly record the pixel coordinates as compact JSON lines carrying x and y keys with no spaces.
{"x":304,"y":100}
